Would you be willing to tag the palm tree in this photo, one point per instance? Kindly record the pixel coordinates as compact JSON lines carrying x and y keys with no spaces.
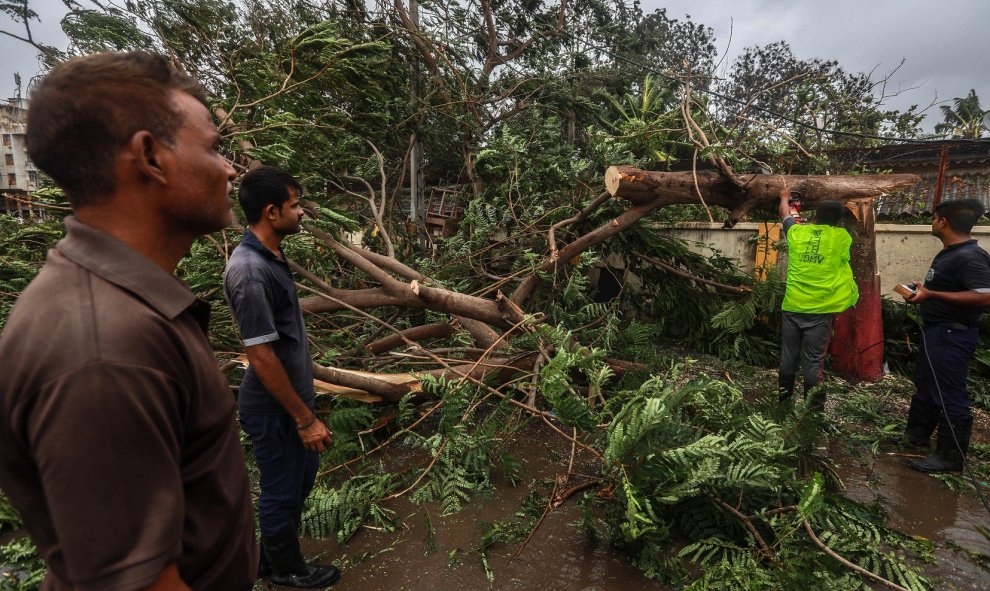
{"x":967,"y":119}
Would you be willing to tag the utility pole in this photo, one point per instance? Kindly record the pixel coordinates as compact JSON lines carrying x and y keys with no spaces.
{"x":415,"y":149}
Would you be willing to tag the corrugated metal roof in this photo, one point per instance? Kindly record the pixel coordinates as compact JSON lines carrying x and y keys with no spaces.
{"x":913,"y":155}
{"x":918,"y":200}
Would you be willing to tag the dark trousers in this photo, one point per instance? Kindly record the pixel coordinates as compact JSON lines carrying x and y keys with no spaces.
{"x":804,"y":337}
{"x":287,"y":469}
{"x":942,"y":367}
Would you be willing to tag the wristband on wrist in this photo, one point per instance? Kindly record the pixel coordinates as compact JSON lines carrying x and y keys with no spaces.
{"x":308,"y":424}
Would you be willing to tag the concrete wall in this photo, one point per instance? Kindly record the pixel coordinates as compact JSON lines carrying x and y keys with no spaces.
{"x":903,"y":251}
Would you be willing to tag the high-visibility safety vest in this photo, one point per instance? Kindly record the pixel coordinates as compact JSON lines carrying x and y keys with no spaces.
{"x":819,"y":278}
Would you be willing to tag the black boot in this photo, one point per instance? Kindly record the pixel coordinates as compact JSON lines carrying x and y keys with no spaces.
{"x":288,"y":567}
{"x":785,"y":387}
{"x":948,"y":457}
{"x":817,"y":394}
{"x":922,"y":418}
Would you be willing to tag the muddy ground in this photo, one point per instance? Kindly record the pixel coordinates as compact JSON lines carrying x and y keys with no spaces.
{"x":429,"y":552}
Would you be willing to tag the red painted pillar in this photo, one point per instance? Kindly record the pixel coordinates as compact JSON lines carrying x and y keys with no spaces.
{"x":857,"y":345}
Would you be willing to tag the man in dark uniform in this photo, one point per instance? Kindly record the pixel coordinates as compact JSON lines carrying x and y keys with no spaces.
{"x":956,"y":289}
{"x":276,"y":395}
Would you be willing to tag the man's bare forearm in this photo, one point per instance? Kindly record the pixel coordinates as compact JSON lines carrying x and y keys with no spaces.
{"x":969,"y":299}
{"x":966,"y":299}
{"x":784,"y":207}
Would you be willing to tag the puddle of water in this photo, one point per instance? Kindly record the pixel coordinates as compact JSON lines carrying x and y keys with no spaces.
{"x":558,"y":556}
{"x":922,"y":506}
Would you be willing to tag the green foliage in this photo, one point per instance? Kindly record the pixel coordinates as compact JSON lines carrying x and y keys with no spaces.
{"x":463,"y":458}
{"x":9,"y":519}
{"x":23,"y":246}
{"x":649,"y":122}
{"x":23,"y":569}
{"x":557,"y":384}
{"x":341,"y":511}
{"x":680,"y":454}
{"x":801,"y":97}
{"x":966,"y":118}
{"x":749,"y":329}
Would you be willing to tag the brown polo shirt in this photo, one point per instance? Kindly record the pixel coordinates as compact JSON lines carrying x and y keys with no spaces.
{"x":118,"y":441}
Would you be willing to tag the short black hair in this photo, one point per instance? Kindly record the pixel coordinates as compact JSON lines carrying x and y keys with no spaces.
{"x":264,"y":186}
{"x":829,"y":213}
{"x":962,"y":214}
{"x":86,"y":109}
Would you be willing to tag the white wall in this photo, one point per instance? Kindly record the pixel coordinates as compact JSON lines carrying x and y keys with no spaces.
{"x":904,"y":252}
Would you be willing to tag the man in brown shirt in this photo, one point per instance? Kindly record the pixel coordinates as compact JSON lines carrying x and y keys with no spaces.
{"x":118,"y":444}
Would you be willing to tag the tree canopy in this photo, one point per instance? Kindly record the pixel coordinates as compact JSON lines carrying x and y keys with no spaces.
{"x":965,"y":118}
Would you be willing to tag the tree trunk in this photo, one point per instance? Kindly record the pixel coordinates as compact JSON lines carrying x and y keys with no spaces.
{"x":857,"y":345}
{"x":758,"y":190}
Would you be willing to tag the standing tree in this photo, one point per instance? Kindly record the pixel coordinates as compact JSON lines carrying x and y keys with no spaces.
{"x":966,"y":118}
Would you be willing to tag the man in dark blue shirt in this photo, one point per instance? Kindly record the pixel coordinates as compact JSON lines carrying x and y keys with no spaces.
{"x":956,"y":289}
{"x":276,"y":394}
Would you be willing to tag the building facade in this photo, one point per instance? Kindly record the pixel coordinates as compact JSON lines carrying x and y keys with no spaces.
{"x":18,"y":175}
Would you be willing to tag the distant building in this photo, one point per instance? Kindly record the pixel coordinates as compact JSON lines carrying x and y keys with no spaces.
{"x":18,"y":175}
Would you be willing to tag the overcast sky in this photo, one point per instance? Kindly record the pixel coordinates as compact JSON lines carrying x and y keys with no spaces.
{"x":946,"y":43}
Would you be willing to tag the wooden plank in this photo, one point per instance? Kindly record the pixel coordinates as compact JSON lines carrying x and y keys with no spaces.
{"x":345,"y":392}
{"x":766,"y":250}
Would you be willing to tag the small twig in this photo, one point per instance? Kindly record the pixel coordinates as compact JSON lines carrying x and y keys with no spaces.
{"x":546,"y":512}
{"x":764,"y":548}
{"x":570,"y":463}
{"x":421,"y":476}
{"x":686,"y":275}
{"x":575,"y":489}
{"x":543,"y":416}
{"x":846,"y":563}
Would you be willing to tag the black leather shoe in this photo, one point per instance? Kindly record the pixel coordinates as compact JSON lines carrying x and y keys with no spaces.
{"x":310,"y":576}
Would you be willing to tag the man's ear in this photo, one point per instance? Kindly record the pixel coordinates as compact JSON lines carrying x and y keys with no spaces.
{"x":270,"y":212}
{"x":147,"y":154}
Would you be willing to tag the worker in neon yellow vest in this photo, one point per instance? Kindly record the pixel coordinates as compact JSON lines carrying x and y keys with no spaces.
{"x":820,"y":285}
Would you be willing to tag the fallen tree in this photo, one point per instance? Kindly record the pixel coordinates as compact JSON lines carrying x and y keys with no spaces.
{"x":642,"y":192}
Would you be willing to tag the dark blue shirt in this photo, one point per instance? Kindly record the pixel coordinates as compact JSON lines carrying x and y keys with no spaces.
{"x":960,"y":267}
{"x":262,"y":294}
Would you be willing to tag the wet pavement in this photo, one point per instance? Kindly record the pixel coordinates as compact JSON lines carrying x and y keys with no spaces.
{"x":920,"y":505}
